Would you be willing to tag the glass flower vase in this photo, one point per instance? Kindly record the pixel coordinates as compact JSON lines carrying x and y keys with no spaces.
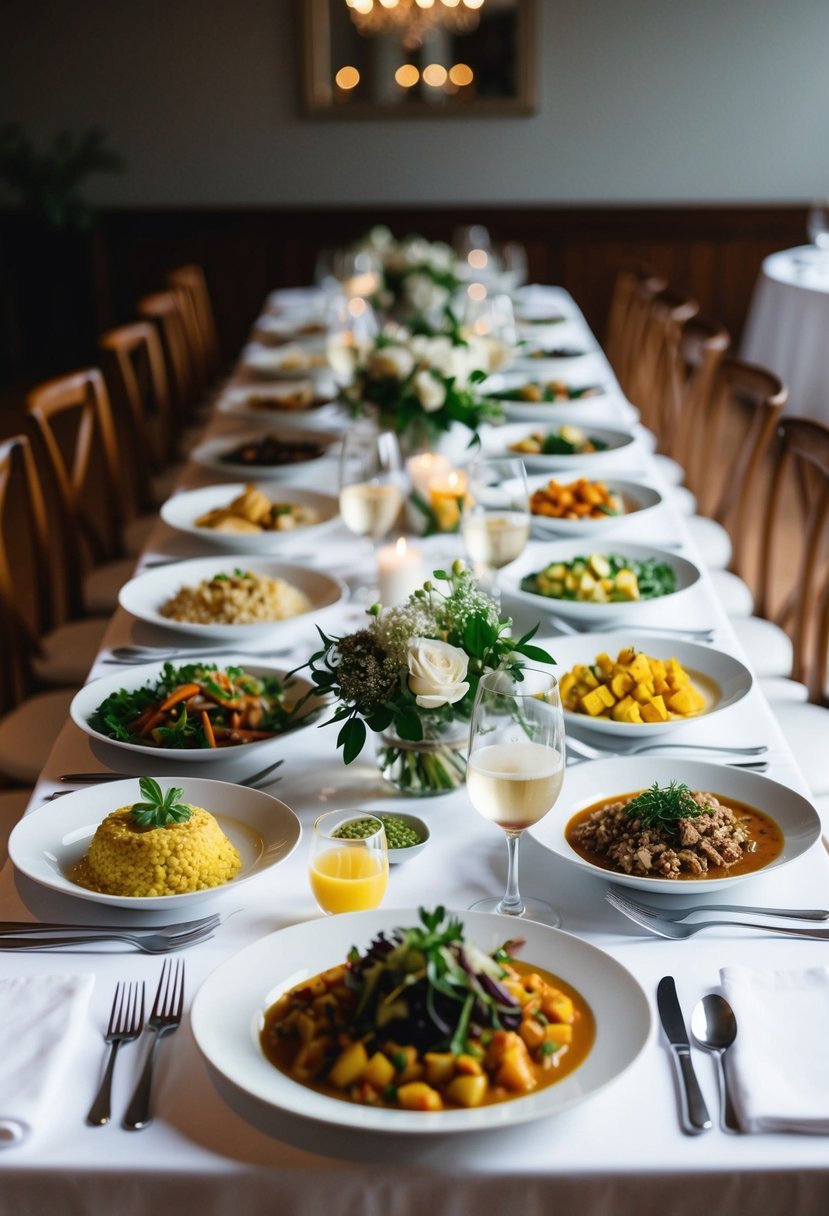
{"x":434,"y":765}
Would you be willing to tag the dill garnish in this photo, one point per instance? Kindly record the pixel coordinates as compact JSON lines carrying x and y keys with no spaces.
{"x":663,"y":808}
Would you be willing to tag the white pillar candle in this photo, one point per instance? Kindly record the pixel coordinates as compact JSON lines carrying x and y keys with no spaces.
{"x":399,"y":572}
{"x":423,"y":468}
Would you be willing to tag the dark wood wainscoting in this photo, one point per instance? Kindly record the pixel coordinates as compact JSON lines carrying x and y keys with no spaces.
{"x":713,"y":252}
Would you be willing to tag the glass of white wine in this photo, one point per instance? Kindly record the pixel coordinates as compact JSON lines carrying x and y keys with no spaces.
{"x":516,"y":768}
{"x":372,"y":480}
{"x":496,"y":517}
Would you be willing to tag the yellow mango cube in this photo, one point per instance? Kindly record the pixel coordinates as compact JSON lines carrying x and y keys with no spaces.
{"x":627,"y":585}
{"x":467,"y":1090}
{"x":640,"y":668}
{"x":605,"y":662}
{"x":597,"y":701}
{"x":642,"y":692}
{"x":625,"y":657}
{"x":621,"y":684}
{"x":655,"y":711}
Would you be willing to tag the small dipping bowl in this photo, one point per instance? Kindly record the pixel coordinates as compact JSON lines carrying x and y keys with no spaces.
{"x":417,"y":825}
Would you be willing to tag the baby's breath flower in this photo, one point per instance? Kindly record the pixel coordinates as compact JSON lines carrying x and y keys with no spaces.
{"x":394,"y":629}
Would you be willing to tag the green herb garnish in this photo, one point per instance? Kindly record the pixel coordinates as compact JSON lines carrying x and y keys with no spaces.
{"x":159,"y":810}
{"x":663,"y":808}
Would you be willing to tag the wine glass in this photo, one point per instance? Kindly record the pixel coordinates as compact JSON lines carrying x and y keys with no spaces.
{"x":349,"y":866}
{"x":496,"y":517}
{"x":491,"y":319}
{"x":372,"y":480}
{"x":472,"y":245}
{"x":514,"y":267}
{"x":351,"y":325}
{"x":359,"y":272}
{"x":516,"y":768}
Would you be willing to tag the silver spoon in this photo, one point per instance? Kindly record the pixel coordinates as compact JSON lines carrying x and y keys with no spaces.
{"x":714,"y":1027}
{"x":147,"y":654}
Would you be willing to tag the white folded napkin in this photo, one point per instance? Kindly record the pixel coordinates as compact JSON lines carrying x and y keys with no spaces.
{"x":40,"y":1019}
{"x":779,"y":1066}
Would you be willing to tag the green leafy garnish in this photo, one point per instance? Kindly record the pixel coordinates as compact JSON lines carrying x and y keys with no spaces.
{"x":663,"y":808}
{"x":159,"y":810}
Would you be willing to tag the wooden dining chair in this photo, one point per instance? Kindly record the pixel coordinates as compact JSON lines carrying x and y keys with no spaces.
{"x":625,"y":319}
{"x":192,"y":282}
{"x":38,"y":644}
{"x":163,"y":309}
{"x":654,"y":375}
{"x":703,"y":343}
{"x":132,"y":361}
{"x":73,"y":420}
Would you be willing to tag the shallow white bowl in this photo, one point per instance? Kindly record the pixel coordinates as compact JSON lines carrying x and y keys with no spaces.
{"x":295,"y":359}
{"x":48,"y":842}
{"x":228,"y":1010}
{"x":639,"y":499}
{"x":585,"y":784}
{"x":182,"y":510}
{"x":88,"y":698}
{"x":722,"y":679}
{"x":589,"y":615}
{"x":210,"y":455}
{"x":144,"y":596}
{"x":498,"y":441}
{"x":330,"y":414}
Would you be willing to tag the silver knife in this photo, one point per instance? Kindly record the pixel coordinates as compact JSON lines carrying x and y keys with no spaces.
{"x":694,"y":1113}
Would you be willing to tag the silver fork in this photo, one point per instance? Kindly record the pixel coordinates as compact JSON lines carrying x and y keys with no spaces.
{"x":681,"y":911}
{"x":590,"y":751}
{"x":164,"y":1019}
{"x":98,"y":778}
{"x":126,"y":1021}
{"x":666,"y":928}
{"x":150,"y":654}
{"x":149,"y":943}
{"x":697,"y":635}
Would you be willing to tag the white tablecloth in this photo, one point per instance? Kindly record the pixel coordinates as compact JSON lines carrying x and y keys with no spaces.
{"x":217,"y":1152}
{"x":787,"y":329}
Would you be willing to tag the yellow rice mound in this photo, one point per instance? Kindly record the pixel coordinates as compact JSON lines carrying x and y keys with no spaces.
{"x":125,"y":859}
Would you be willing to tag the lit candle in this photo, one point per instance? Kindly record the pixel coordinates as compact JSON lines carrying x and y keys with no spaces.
{"x":446,"y":496}
{"x":399,"y":572}
{"x":423,"y":468}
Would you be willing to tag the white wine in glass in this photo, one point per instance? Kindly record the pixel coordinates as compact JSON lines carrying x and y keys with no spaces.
{"x":516,"y":768}
{"x":371,"y":480}
{"x":496,"y":519}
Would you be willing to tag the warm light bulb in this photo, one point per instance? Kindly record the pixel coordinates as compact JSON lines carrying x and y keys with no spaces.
{"x":347,"y":77}
{"x":425,"y":3}
{"x":461,"y":74}
{"x":477,"y":258}
{"x":389,"y":3}
{"x":474,"y":3}
{"x":407,"y":75}
{"x":435,"y":75}
{"x":476,"y":291}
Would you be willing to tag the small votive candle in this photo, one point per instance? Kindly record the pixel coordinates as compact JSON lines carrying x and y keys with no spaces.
{"x":446,"y":497}
{"x":399,"y":572}
{"x":422,"y":469}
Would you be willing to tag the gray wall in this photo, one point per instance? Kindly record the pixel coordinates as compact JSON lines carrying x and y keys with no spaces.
{"x":640,"y":100}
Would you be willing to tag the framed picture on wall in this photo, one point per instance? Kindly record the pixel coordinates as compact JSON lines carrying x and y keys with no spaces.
{"x":410,"y":59}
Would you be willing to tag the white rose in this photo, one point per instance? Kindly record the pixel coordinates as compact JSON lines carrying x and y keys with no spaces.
{"x":380,"y":238}
{"x":437,"y":673}
{"x":390,"y":362}
{"x":423,"y":293}
{"x":431,"y":392}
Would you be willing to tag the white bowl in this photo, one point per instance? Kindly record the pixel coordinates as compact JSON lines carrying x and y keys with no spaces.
{"x":722,"y":679}
{"x":329,"y":413}
{"x":288,"y":362}
{"x":49,"y":841}
{"x":144,"y":596}
{"x":585,"y":784}
{"x":228,"y":1010}
{"x":88,"y":698}
{"x":639,"y":500}
{"x":182,"y":510}
{"x":589,"y":615}
{"x":498,"y":441}
{"x":397,"y":856}
{"x":212,"y":452}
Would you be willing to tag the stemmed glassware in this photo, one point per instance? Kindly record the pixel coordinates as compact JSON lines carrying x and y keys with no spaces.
{"x":372,"y":480}
{"x":496,"y":517}
{"x":516,"y":768}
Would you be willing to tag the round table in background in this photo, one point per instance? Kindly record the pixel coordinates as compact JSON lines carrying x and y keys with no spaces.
{"x":787,"y":329}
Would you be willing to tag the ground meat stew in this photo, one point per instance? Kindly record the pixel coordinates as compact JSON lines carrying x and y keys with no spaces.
{"x":728,"y":838}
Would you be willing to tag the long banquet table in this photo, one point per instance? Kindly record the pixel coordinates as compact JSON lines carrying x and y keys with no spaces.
{"x":214,"y":1150}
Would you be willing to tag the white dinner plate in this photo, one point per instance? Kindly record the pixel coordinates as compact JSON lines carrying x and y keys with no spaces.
{"x":585,"y":784}
{"x":237,"y":403}
{"x":583,"y":362}
{"x":145,"y":595}
{"x":639,"y":501}
{"x":49,"y":841}
{"x":227,"y":1014}
{"x":87,"y":699}
{"x":585,"y":614}
{"x":183,"y":509}
{"x":723,"y":680}
{"x":499,"y":441}
{"x":288,"y":362}
{"x":212,"y":454}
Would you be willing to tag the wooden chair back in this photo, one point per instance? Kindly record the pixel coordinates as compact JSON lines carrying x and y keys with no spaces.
{"x":191,"y":281}
{"x":635,"y":284}
{"x":654,"y":379}
{"x":702,"y":346}
{"x":26,"y":604}
{"x":164,"y":310}
{"x":73,"y":420}
{"x":802,"y":461}
{"x":133,"y":363}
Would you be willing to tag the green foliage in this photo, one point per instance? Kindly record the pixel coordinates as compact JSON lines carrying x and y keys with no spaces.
{"x":48,"y":182}
{"x":159,"y":810}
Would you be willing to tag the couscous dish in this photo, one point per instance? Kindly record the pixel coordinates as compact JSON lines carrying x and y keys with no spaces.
{"x":240,"y":598}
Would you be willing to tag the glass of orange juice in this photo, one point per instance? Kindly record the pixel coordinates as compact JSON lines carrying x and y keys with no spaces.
{"x":349,"y":864}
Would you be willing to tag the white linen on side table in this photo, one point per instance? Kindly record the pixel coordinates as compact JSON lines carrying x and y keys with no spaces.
{"x":778,"y":1063}
{"x":40,"y":1019}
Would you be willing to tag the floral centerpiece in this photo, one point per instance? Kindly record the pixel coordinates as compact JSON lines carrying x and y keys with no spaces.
{"x":419,"y":276}
{"x":421,"y":384}
{"x":410,"y":676}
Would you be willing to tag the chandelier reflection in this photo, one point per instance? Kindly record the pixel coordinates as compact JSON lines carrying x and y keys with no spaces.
{"x":412,"y":19}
